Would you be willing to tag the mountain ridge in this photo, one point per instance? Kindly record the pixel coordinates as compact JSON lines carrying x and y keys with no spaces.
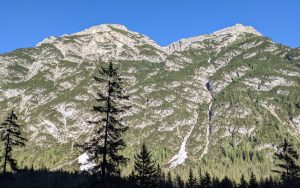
{"x":211,"y":102}
{"x":237,"y":28}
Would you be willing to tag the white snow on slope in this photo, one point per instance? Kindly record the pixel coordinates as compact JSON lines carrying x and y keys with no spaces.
{"x":180,"y":157}
{"x":84,"y":163}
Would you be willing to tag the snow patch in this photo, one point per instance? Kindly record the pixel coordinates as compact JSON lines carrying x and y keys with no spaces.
{"x":84,"y":163}
{"x":180,"y":157}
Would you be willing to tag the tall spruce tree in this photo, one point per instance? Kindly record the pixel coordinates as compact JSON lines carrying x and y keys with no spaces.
{"x":145,"y":172}
{"x":169,"y":182}
{"x":215,"y":182}
{"x":206,"y":181}
{"x":269,"y":183}
{"x":163,"y":178}
{"x":192,"y":182}
{"x":160,"y":176}
{"x":288,"y":169}
{"x":253,"y":182}
{"x":226,"y":183}
{"x":179,"y":182}
{"x":10,"y":135}
{"x":243,"y":182}
{"x":106,"y":141}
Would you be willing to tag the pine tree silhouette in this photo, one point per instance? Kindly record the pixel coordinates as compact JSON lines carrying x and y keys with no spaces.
{"x":106,"y":142}
{"x":179,"y":182}
{"x":164,"y":180}
{"x":160,"y":177}
{"x":226,"y":183}
{"x":252,"y":182}
{"x":289,"y":170}
{"x":145,"y":172}
{"x":215,"y":182}
{"x":169,"y":182}
{"x":10,"y":135}
{"x":192,"y":182}
{"x":243,"y":182}
{"x":206,"y":181}
{"x":268,"y":183}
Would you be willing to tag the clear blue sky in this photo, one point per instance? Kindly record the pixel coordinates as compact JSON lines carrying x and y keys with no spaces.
{"x":23,"y":23}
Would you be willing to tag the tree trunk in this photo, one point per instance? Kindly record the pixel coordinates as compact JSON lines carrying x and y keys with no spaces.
{"x":5,"y":156}
{"x":105,"y":136}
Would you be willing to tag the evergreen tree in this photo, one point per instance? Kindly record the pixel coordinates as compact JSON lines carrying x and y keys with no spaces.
{"x":144,"y":168}
{"x":179,"y":182}
{"x":271,"y":182}
{"x":215,"y":182}
{"x":206,"y":181}
{"x":169,"y":183}
{"x":268,"y":183}
{"x":163,"y":179}
{"x":10,"y":135}
{"x":192,"y":182}
{"x":131,"y":178}
{"x":289,"y":170}
{"x":226,"y":183}
{"x":106,"y":140}
{"x":252,"y":182}
{"x":243,"y":182}
{"x":160,"y":177}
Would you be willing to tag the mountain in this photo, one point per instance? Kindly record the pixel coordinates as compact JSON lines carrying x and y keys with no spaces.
{"x":221,"y":102}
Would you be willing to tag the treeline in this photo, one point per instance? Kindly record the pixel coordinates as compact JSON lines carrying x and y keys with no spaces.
{"x":146,"y":174}
{"x":105,"y":159}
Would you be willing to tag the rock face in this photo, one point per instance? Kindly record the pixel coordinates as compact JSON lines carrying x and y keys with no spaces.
{"x":225,"y":96}
{"x":229,"y":33}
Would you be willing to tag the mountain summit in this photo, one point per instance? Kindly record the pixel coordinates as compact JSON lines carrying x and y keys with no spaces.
{"x":231,"y":32}
{"x":238,"y":29}
{"x":220,"y":101}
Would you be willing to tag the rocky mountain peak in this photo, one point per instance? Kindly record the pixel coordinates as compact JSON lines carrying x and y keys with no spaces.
{"x":224,"y":37}
{"x":237,"y":29}
{"x":101,"y":28}
{"x":107,"y":41}
{"x":89,"y":31}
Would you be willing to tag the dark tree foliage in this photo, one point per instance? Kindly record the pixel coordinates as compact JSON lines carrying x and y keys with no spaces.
{"x":288,"y":169}
{"x":29,"y":178}
{"x":145,"y":172}
{"x":243,"y":182}
{"x":206,"y":180}
{"x":252,"y":181}
{"x":192,"y":182}
{"x":179,"y":182}
{"x":164,"y":180}
{"x":160,"y":177}
{"x":43,"y":178}
{"x":215,"y":182}
{"x":169,"y":182}
{"x":10,"y":136}
{"x":131,"y":178}
{"x":268,"y":183}
{"x":226,"y":183}
{"x":106,"y":141}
